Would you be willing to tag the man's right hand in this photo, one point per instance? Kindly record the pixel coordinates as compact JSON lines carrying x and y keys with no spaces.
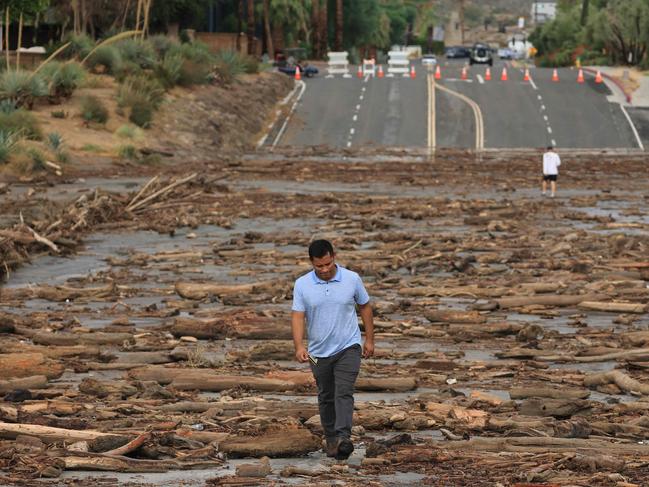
{"x":302,"y":355}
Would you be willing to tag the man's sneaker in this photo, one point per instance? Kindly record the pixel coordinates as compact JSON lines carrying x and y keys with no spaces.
{"x":345,"y":448}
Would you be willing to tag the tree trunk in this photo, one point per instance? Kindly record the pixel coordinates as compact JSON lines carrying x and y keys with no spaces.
{"x":339,"y":25}
{"x":324,"y":29}
{"x":138,"y":14}
{"x":251,"y":27}
{"x":584,"y":11}
{"x":20,"y":40}
{"x":268,"y":31}
{"x":315,"y":29}
{"x":147,"y":11}
{"x":7,"y":18}
{"x":240,"y":24}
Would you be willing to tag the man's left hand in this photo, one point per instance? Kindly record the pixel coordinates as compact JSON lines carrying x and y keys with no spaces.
{"x":368,"y":348}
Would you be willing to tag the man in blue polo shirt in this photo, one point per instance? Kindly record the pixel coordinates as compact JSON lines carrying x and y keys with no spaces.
{"x":326,"y":300}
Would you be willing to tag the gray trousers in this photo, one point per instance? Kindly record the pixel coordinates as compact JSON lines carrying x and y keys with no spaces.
{"x":335,"y":377}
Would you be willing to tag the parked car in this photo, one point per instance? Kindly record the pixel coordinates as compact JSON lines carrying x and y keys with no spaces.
{"x":457,"y":52}
{"x":505,"y":53}
{"x":429,"y":59}
{"x":306,"y":70}
{"x":481,"y":54}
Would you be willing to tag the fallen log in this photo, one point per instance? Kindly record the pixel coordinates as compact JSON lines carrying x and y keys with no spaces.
{"x":397,"y":384}
{"x":20,"y":365}
{"x":75,"y":339}
{"x":614,"y":307}
{"x":548,"y":300}
{"x":623,"y":381}
{"x":48,"y":434}
{"x":118,"y":464}
{"x":545,"y":445}
{"x":252,"y":328}
{"x":130,"y":446}
{"x":31,"y":382}
{"x":448,"y":316}
{"x":277,"y":444}
{"x":526,"y":392}
{"x":541,"y":287}
{"x":198,"y":291}
{"x":558,"y":408}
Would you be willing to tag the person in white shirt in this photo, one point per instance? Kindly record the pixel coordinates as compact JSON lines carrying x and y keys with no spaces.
{"x":551,"y":163}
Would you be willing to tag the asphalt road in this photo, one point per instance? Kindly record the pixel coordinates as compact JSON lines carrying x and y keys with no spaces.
{"x":394,"y":111}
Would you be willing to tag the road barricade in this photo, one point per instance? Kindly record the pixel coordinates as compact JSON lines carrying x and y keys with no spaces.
{"x":338,"y":64}
{"x":398,"y":63}
{"x":369,"y":67}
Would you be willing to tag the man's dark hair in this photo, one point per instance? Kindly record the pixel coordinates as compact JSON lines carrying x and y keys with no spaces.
{"x":320,"y":248}
{"x":550,"y":147}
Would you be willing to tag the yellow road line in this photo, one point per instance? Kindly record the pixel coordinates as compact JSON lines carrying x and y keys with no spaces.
{"x":477,"y":113}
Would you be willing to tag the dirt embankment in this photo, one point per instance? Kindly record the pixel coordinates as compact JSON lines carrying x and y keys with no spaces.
{"x":194,"y":124}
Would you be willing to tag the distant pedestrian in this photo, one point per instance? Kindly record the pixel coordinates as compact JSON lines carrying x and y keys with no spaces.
{"x":325,"y":300}
{"x":551,"y":163}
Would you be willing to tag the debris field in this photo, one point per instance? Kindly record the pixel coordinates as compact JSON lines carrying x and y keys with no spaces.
{"x":146,"y":329}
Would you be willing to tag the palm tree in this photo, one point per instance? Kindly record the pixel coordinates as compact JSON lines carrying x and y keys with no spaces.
{"x":324,"y":31}
{"x":315,"y":29}
{"x":268,"y":30}
{"x":339,"y":25}
{"x":290,"y":20}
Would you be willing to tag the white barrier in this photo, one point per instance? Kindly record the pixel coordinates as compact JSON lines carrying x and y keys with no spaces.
{"x":338,"y":64}
{"x":369,"y":67}
{"x":398,"y":63}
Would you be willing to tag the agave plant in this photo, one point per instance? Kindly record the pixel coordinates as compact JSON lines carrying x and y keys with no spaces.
{"x":138,"y":88}
{"x":21,"y":87}
{"x":168,"y":70}
{"x":8,"y":141}
{"x":108,"y":58}
{"x":138,"y":51}
{"x":62,"y":79}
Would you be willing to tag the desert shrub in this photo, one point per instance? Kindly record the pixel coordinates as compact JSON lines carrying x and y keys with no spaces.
{"x":7,"y":106}
{"x":194,"y":51}
{"x":62,"y":79}
{"x":229,"y":65}
{"x":93,"y":110}
{"x":138,"y":51}
{"x":192,"y":73}
{"x":250,"y":65}
{"x":59,"y":114}
{"x":142,"y":113}
{"x":107,"y":57}
{"x":128,"y":131}
{"x":127,"y":151}
{"x":91,"y":148}
{"x":80,"y":46}
{"x":38,"y":159}
{"x":55,"y":140}
{"x":8,"y":141}
{"x":161,"y":44}
{"x":21,"y":87}
{"x":127,"y":69}
{"x":168,"y":70}
{"x":138,"y":88}
{"x":21,"y":122}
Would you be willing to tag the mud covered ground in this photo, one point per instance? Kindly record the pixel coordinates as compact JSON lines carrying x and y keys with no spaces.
{"x":148,"y":342}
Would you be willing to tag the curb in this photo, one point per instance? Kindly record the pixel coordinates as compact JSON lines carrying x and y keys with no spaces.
{"x":612,"y":79}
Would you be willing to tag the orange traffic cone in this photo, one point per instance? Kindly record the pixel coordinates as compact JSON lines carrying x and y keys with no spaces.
{"x":298,"y":75}
{"x":487,"y":75}
{"x":555,"y":75}
{"x":438,"y":73}
{"x":503,"y":77}
{"x":598,"y":78}
{"x":413,"y":73}
{"x":380,"y":72}
{"x":359,"y":73}
{"x":464,"y":73}
{"x":527,"y":75}
{"x":580,"y":76}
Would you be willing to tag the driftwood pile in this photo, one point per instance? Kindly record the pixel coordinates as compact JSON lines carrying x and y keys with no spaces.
{"x":512,"y":331}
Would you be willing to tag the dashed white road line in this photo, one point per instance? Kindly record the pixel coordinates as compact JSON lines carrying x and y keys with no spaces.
{"x":480,"y":79}
{"x":554,"y":143}
{"x":545,"y":117}
{"x":543,"y":107}
{"x":534,"y":84}
{"x":549,"y":129}
{"x":355,"y":117}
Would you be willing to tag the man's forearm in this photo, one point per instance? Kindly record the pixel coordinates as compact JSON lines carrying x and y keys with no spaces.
{"x":297,"y":325}
{"x":367,"y":316}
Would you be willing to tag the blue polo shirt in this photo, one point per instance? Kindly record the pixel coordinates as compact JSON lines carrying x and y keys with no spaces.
{"x":330,"y":310}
